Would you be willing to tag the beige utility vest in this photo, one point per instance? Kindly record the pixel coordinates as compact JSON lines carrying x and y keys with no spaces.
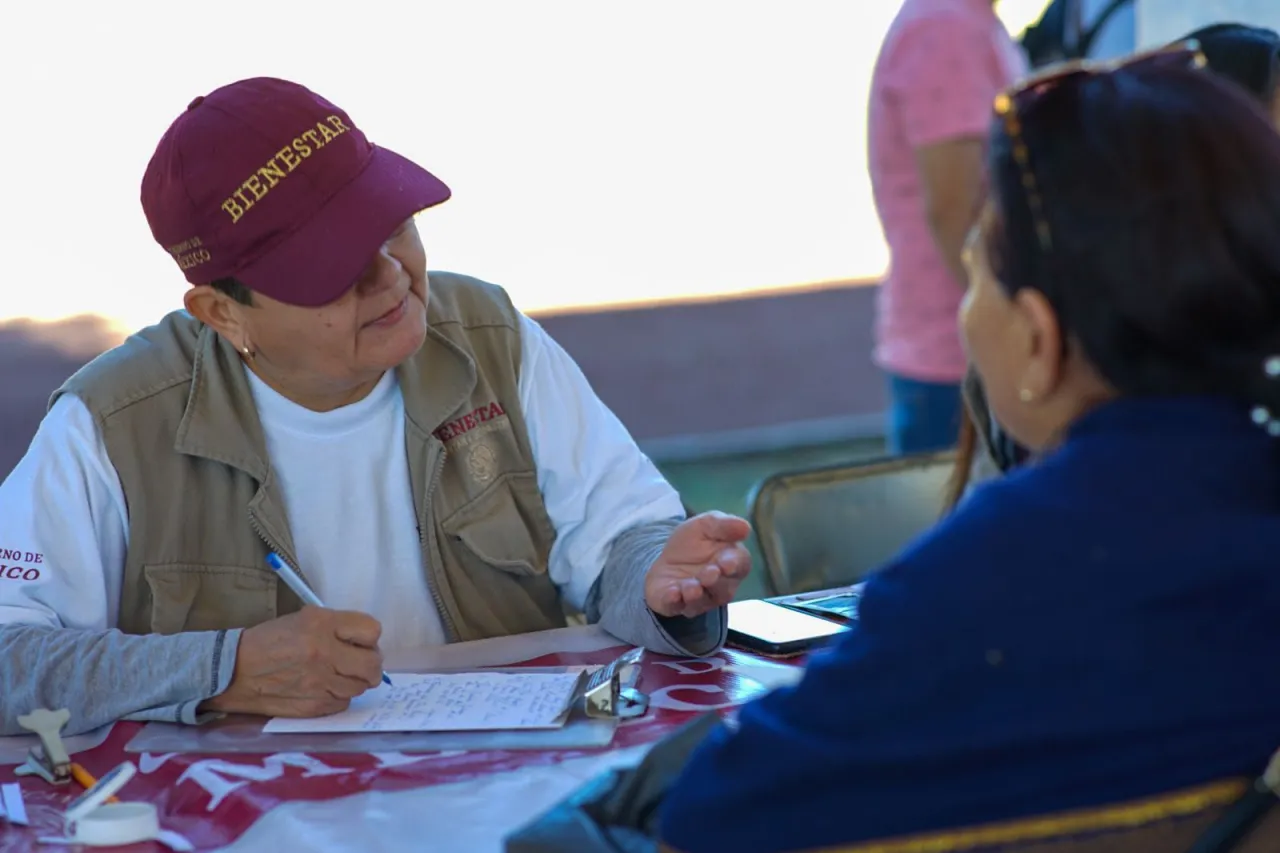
{"x":175,"y":410}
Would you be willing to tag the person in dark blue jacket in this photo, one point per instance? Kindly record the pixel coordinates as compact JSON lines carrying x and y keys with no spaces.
{"x":1100,"y":625}
{"x":1246,"y":55}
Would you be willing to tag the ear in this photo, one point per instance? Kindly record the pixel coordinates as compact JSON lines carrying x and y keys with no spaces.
{"x":1043,"y":368}
{"x":219,"y":312}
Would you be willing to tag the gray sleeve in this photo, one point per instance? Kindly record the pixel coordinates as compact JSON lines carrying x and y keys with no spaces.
{"x":616,"y":599}
{"x":104,"y":676}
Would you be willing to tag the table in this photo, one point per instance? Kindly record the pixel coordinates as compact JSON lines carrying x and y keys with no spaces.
{"x":444,"y":801}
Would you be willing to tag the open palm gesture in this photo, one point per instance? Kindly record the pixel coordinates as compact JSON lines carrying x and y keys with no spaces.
{"x":701,"y":566}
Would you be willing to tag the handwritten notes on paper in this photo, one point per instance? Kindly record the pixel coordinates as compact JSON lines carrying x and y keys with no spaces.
{"x":451,"y":702}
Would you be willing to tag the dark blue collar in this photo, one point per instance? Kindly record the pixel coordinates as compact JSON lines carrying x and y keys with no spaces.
{"x":1186,"y":415}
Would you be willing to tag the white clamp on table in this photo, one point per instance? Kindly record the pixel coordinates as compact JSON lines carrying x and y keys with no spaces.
{"x":48,"y":760}
{"x":611,"y":691}
{"x":93,"y":822}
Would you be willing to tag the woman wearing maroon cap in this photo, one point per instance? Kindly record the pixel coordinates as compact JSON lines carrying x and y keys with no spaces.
{"x":407,"y":446}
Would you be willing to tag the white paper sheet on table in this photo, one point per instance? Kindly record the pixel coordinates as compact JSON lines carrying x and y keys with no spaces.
{"x":770,"y":676}
{"x":12,"y":807}
{"x":451,"y":702}
{"x":472,"y":816}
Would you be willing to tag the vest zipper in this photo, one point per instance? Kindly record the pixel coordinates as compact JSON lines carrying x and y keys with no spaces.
{"x":426,"y":538}
{"x":293,"y":563}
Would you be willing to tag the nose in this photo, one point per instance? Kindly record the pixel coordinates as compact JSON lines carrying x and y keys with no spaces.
{"x":383,"y":272}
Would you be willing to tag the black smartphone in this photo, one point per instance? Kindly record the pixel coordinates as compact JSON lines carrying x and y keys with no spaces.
{"x":843,"y":605}
{"x":771,"y":629}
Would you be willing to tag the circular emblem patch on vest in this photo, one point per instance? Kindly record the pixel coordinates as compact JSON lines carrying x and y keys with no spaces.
{"x":482,"y":462}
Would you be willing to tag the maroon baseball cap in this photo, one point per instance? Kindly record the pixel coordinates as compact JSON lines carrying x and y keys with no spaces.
{"x":268,"y":182}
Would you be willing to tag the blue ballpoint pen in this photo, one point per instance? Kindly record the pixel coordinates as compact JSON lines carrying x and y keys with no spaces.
{"x":291,"y":580}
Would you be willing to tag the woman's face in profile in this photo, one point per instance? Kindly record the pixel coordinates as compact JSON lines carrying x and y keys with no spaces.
{"x":986,"y":317}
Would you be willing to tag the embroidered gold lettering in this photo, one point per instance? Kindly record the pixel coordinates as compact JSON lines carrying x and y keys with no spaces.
{"x":253,"y":185}
{"x":189,"y":253}
{"x":265,"y":178}
{"x":285,"y":155}
{"x":233,"y":209}
{"x":272,"y":173}
{"x":184,"y":246}
{"x":193,"y":259}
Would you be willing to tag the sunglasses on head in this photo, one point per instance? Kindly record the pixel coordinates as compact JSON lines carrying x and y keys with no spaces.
{"x":1012,"y":103}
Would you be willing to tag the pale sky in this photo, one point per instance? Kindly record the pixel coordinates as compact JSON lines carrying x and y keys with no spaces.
{"x":599,"y":152}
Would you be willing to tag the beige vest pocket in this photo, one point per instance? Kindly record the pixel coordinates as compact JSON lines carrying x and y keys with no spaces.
{"x":494,"y":528}
{"x":188,"y":597}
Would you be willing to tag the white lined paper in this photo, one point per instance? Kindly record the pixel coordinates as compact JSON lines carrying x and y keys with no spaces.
{"x":450,"y":702}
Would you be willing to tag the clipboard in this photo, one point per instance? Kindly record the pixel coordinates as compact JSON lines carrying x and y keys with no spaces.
{"x":613,"y":697}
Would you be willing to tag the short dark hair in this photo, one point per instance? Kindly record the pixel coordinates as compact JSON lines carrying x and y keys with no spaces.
{"x":1248,"y":56}
{"x":1160,"y":187}
{"x":234,"y":288}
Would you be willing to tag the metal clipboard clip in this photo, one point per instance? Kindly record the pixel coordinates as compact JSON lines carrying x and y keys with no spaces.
{"x":48,"y":760}
{"x":610,"y":692}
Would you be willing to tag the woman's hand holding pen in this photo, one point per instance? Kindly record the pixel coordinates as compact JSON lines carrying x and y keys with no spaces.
{"x":307,"y":664}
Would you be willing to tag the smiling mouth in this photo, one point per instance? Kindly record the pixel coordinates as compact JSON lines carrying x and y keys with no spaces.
{"x":391,"y":316}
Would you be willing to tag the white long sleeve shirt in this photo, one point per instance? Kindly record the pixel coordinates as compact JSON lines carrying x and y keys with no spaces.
{"x":64,"y":523}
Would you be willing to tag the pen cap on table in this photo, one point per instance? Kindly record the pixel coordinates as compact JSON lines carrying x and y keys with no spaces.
{"x":105,"y":789}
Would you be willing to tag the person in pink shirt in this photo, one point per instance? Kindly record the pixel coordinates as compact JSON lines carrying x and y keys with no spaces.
{"x":941,"y":65}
